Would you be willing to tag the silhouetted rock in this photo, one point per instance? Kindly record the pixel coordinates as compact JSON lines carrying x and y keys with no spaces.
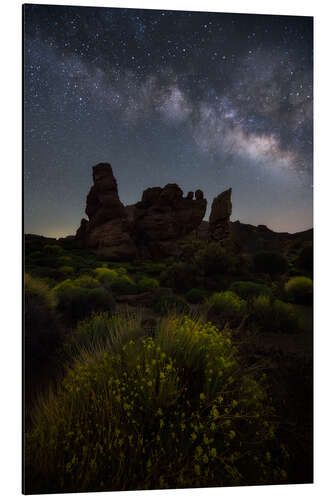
{"x":220,"y":216}
{"x":103,"y":203}
{"x":260,"y":238}
{"x":164,"y":216}
{"x":152,"y":227}
{"x":108,"y":228}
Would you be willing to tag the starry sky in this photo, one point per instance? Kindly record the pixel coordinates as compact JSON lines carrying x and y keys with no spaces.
{"x":206,"y":100}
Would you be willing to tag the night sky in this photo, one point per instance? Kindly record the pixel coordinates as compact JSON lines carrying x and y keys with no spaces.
{"x":205,"y":100}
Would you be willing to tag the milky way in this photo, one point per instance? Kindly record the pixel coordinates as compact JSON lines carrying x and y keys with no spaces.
{"x":202,"y":99}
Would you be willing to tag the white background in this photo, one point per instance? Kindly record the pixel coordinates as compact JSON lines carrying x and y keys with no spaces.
{"x":10,"y":247}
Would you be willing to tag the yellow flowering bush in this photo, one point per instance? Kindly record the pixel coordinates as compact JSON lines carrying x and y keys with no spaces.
{"x":176,"y":410}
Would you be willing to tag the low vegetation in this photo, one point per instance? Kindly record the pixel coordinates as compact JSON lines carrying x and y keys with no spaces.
{"x":300,"y":290}
{"x":170,"y":373}
{"x":176,"y":410}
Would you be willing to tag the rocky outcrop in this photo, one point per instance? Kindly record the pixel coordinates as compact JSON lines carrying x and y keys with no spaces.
{"x":152,"y":227}
{"x":219,"y":219}
{"x":164,"y":216}
{"x":108,"y":228}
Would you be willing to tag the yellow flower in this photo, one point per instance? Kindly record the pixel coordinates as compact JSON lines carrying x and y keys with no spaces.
{"x":213,"y":452}
{"x":197,"y":469}
{"x":215,"y":412}
{"x":198,"y":450}
{"x":202,"y":396}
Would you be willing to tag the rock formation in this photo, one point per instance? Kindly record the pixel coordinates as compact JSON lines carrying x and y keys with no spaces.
{"x":219,"y":218}
{"x":153,"y":227}
{"x":108,"y":229}
{"x":163,"y":217}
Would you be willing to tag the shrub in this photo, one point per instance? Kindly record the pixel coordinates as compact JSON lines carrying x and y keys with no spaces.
{"x":148,"y":283}
{"x":64,"y":260}
{"x":228,"y":304}
{"x":86,"y":282}
{"x":270,"y":262}
{"x":189,"y":248}
{"x":274,"y":315}
{"x":305,"y":259}
{"x":213,"y":259}
{"x":153,"y":268}
{"x":76,"y":302}
{"x":66,"y":270}
{"x":174,"y":411}
{"x":195,"y":296}
{"x":300,"y":290}
{"x":171,"y":303}
{"x":247,"y":289}
{"x":54,"y":250}
{"x":180,"y":276}
{"x":105,"y":275}
{"x":47,"y":272}
{"x":42,"y":333}
{"x":117,"y":282}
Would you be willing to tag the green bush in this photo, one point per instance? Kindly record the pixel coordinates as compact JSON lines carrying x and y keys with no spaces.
{"x":118,"y":282}
{"x":42,"y":332}
{"x":247,"y":289}
{"x":300,"y":290}
{"x":169,"y":303}
{"x":64,"y":260}
{"x":270,"y":262}
{"x":77,"y":302}
{"x":228,"y":304}
{"x":174,"y":411}
{"x":152,"y":268}
{"x":86,"y":282}
{"x":54,"y":250}
{"x":180,"y":276}
{"x":195,"y":296}
{"x":66,"y":270}
{"x":274,"y":315}
{"x":148,"y":284}
{"x":213,"y":259}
